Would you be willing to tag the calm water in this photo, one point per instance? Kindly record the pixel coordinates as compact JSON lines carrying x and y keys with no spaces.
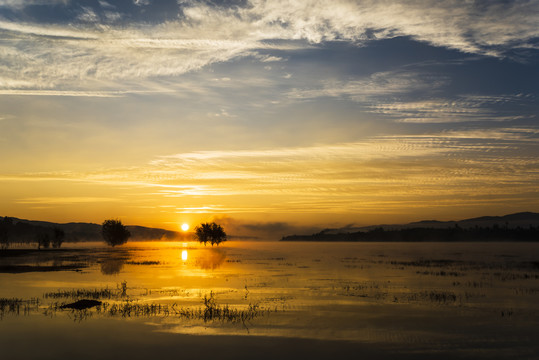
{"x":407,"y":299}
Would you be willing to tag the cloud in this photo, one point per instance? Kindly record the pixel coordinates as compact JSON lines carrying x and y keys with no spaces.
{"x":466,"y":26}
{"x":223,"y":113}
{"x":64,"y":200}
{"x":141,"y":2}
{"x":381,"y":84}
{"x":108,"y":46}
{"x":416,"y":97}
{"x":19,"y":4}
{"x":463,"y":108}
{"x":102,"y":94}
{"x":472,"y":167}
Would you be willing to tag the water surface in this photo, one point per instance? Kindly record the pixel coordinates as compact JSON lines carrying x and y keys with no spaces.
{"x":469,"y":300}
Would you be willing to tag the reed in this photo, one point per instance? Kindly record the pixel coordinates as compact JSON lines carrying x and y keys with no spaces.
{"x":94,"y":294}
{"x":211,"y":311}
{"x":17,"y":306}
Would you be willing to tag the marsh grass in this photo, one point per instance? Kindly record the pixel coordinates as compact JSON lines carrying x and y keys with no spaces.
{"x":508,"y":276}
{"x":439,"y":297}
{"x":441,"y":273}
{"x":94,"y":294}
{"x":211,"y":311}
{"x":16,"y":306}
{"x":473,"y":284}
{"x":147,"y":262}
{"x":526,"y":291}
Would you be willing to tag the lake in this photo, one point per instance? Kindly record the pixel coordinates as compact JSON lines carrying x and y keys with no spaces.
{"x":271,"y":300}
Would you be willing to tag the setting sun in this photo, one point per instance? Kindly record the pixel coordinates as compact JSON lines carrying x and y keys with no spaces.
{"x":185,"y":227}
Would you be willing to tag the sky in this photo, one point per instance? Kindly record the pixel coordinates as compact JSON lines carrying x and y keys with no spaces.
{"x":268,"y":116}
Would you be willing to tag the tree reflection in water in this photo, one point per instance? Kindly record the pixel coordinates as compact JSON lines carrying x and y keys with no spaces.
{"x":210,"y":259}
{"x":112,"y":266}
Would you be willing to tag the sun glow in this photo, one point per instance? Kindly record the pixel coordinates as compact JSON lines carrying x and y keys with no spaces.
{"x":185,"y":227}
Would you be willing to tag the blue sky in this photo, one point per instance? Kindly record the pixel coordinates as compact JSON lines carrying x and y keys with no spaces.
{"x":305,"y":113}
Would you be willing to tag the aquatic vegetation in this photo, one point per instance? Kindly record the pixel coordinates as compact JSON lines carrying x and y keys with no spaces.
{"x":84,"y":308}
{"x":95,"y":294}
{"x":211,"y":311}
{"x":17,"y":306}
{"x":147,"y":262}
{"x":440,"y":273}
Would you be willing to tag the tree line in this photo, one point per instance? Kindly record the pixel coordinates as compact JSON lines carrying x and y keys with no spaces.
{"x":25,"y":233}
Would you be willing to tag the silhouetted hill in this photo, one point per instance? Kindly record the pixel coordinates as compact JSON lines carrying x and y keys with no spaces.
{"x":78,"y":231}
{"x":521,"y":219}
{"x":522,"y":226}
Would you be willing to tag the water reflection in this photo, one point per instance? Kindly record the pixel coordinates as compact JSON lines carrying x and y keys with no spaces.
{"x":184,"y":255}
{"x":112,"y":266}
{"x":210,"y":259}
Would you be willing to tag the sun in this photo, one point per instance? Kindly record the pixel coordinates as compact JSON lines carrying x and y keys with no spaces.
{"x":185,"y":227}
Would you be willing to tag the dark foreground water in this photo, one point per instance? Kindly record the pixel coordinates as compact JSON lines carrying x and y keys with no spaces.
{"x":270,"y":300}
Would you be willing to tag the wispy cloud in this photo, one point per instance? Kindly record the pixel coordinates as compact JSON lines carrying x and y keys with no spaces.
{"x":90,"y":48}
{"x":64,"y":200}
{"x":451,"y":162}
{"x":471,"y":168}
{"x":103,"y":94}
{"x":411,"y":96}
{"x":463,"y":108}
{"x":378,"y":85}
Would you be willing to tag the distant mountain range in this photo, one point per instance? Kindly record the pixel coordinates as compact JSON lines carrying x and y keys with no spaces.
{"x":523,"y":226}
{"x":76,"y":231}
{"x":510,"y":226}
{"x":521,"y":219}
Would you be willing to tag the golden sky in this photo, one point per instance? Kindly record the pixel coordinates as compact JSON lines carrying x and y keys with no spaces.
{"x":268,"y":113}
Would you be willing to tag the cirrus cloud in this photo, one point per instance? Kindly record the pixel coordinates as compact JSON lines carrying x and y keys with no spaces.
{"x":90,"y":51}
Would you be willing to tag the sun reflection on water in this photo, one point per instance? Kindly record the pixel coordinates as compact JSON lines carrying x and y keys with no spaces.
{"x":184,"y":255}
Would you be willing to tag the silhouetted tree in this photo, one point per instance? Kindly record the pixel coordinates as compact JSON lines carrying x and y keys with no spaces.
{"x":210,"y":232}
{"x":58,"y":237}
{"x":114,"y":232}
{"x":43,"y":240}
